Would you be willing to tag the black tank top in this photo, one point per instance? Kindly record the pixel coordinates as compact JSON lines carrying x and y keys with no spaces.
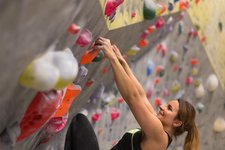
{"x":133,"y":135}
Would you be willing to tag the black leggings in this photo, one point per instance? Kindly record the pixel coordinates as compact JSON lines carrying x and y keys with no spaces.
{"x":80,"y":135}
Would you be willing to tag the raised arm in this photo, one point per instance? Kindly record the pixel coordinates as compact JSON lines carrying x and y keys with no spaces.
{"x":150,"y":124}
{"x":134,"y":79}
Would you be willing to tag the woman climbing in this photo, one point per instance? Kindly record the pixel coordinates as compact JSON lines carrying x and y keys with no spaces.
{"x":157,"y":128}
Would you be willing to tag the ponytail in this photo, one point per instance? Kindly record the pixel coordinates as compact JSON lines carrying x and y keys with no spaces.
{"x":192,"y":139}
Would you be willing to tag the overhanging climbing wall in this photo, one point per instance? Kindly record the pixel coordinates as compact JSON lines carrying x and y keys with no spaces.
{"x":37,"y":30}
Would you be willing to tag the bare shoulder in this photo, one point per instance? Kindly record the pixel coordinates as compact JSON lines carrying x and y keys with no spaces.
{"x":154,"y":143}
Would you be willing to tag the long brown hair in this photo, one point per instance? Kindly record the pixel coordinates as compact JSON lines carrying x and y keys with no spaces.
{"x":186,"y":114}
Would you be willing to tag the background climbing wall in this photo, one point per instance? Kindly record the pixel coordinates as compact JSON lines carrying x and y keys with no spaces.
{"x":209,"y":18}
{"x":162,"y":87}
{"x":31,"y":28}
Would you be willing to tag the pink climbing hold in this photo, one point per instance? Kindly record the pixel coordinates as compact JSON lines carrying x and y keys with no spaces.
{"x":111,"y":6}
{"x":56,"y":124}
{"x":96,"y":117}
{"x":133,"y":14}
{"x":160,"y":23}
{"x":144,"y":34}
{"x":189,"y":80}
{"x":114,"y":115}
{"x":149,"y":93}
{"x":165,"y":93}
{"x":85,"y":38}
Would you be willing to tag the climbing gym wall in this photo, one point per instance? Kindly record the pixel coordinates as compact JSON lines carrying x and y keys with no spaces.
{"x":209,"y":18}
{"x":49,"y":72}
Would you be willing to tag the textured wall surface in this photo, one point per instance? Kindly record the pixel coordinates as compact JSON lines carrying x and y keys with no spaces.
{"x":29,"y":28}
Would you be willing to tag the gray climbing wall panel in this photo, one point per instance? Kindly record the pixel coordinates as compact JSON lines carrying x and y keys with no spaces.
{"x":29,"y":28}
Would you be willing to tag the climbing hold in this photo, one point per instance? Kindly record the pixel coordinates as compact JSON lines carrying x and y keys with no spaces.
{"x":73,"y":29}
{"x":114,"y":114}
{"x":189,"y":80}
{"x":72,"y":91}
{"x":95,"y":117}
{"x":120,"y":100}
{"x":84,"y":38}
{"x":170,"y":6}
{"x":173,"y":56}
{"x":56,"y":124}
{"x":150,"y":67}
{"x":111,"y":6}
{"x":157,"y":102}
{"x":183,"y":4}
{"x":203,"y":39}
{"x":149,"y":10}
{"x":219,"y":124}
{"x":149,"y":91}
{"x":220,"y":25}
{"x":99,"y":57}
{"x":160,"y":70}
{"x":197,"y":1}
{"x":212,"y":83}
{"x":50,"y":71}
{"x":157,"y":80}
{"x":83,"y":71}
{"x":89,"y":82}
{"x":199,"y":91}
{"x":133,"y":14}
{"x":160,"y":23}
{"x":142,"y":43}
{"x":180,"y":27}
{"x":40,"y":110}
{"x":165,"y":93}
{"x":151,"y":28}
{"x":164,"y":50}
{"x":175,"y":86}
{"x":193,"y":61}
{"x":89,"y":56}
{"x":200,"y":107}
{"x":67,"y":66}
{"x":40,"y":74}
{"x":144,"y":34}
{"x":195,"y":71}
{"x":197,"y":82}
{"x":185,"y":49}
{"x":160,"y":9}
{"x":105,"y":70}
{"x":133,"y":50}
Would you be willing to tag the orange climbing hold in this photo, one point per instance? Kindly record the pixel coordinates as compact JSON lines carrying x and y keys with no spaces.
{"x":72,"y":92}
{"x":143,"y":43}
{"x":73,"y":29}
{"x":88,"y":56}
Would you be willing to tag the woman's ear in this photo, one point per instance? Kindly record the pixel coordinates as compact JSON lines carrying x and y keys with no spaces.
{"x":177,"y":123}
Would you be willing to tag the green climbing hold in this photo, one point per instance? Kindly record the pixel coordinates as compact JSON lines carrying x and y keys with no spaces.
{"x":149,"y":10}
{"x":99,"y":57}
{"x":162,"y":72}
